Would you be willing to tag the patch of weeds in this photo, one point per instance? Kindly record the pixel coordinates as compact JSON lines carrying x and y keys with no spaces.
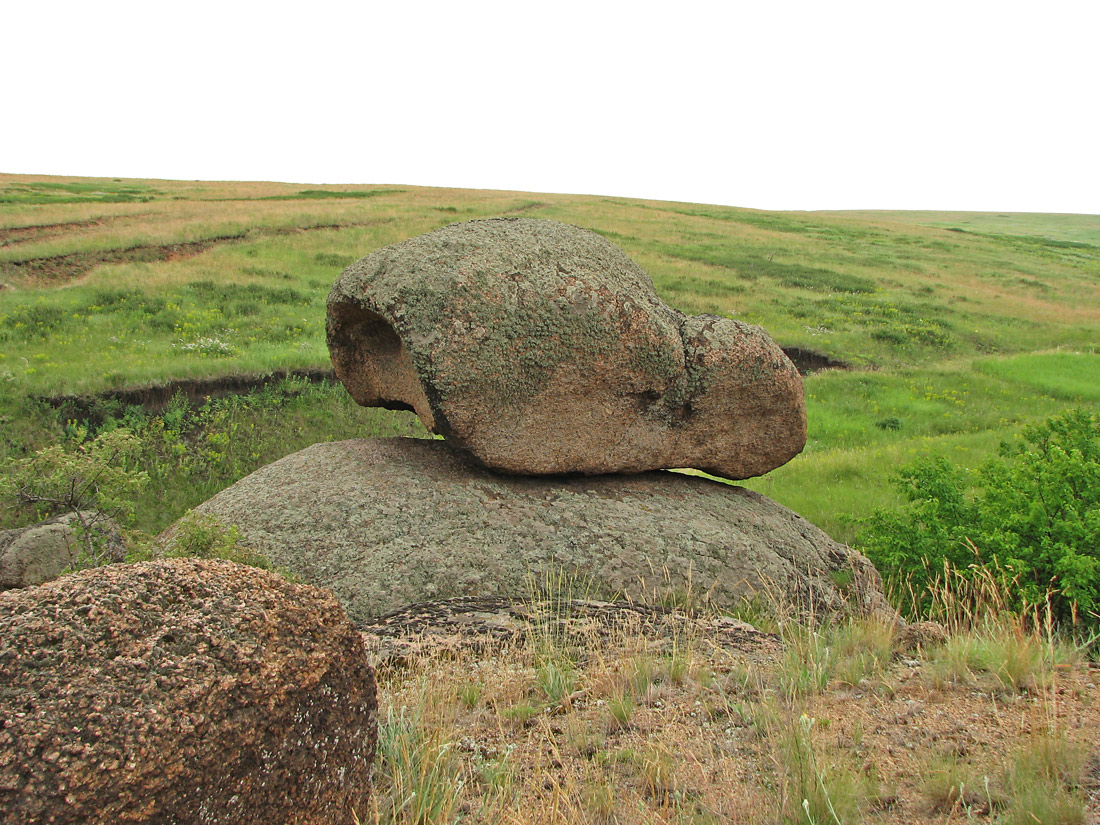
{"x":817,"y":789}
{"x":658,"y":770}
{"x":900,"y":324}
{"x":806,"y":662}
{"x":676,"y":665}
{"x":328,"y":194}
{"x":24,"y":322}
{"x":497,"y":775}
{"x":418,"y":776}
{"x":203,"y":536}
{"x":860,"y":648}
{"x":470,"y":693}
{"x":1000,"y":655}
{"x":703,"y":287}
{"x":206,"y":346}
{"x":222,"y":294}
{"x":949,"y":785}
{"x":889,"y":423}
{"x":522,"y":713}
{"x":550,"y":596}
{"x":1044,"y":783}
{"x":334,"y":259}
{"x":265,"y":272}
{"x":819,"y":279}
{"x":954,"y":662}
{"x":621,"y":705}
{"x":583,"y":738}
{"x":842,"y":577}
{"x":643,"y":673}
{"x":114,"y":300}
{"x":757,"y":613}
{"x":556,"y":679}
{"x":599,"y":801}
{"x":41,"y":192}
{"x":750,"y":267}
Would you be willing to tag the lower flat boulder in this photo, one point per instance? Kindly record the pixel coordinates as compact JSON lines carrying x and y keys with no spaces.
{"x":387,"y":523}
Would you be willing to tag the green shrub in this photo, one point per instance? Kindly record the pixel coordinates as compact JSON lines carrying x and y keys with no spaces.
{"x":202,"y":536}
{"x":1033,"y":516}
{"x":97,"y":475}
{"x":94,"y":479}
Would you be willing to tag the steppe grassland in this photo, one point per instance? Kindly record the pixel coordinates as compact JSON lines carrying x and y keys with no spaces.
{"x":956,"y":337}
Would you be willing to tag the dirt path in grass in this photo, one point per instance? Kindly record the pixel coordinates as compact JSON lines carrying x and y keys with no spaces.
{"x":57,"y":270}
{"x":10,"y":235}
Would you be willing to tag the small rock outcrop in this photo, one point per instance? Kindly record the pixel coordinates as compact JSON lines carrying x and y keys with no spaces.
{"x":182,"y":691}
{"x":919,"y":637}
{"x":541,"y":348}
{"x":390,"y":522}
{"x":36,"y":554}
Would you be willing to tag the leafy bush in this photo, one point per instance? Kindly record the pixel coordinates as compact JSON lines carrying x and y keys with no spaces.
{"x":96,"y":480}
{"x":1034,"y":515}
{"x":65,"y":478}
{"x":203,"y":536}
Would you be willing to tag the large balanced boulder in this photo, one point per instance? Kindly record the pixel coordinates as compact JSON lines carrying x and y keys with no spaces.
{"x":541,"y":348}
{"x":390,"y":522}
{"x":41,"y":552}
{"x":182,"y":691}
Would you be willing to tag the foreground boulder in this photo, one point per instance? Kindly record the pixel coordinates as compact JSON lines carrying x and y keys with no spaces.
{"x":390,"y":522}
{"x":182,"y":691}
{"x":36,"y":554}
{"x":542,"y":348}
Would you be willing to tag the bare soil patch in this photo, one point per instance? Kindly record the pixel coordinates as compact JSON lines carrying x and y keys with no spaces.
{"x":808,"y":361}
{"x":155,"y":398}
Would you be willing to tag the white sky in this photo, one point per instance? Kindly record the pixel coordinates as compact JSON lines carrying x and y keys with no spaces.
{"x":774,"y":105}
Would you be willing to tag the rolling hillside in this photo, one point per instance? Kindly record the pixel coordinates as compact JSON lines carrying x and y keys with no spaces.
{"x":946,"y":331}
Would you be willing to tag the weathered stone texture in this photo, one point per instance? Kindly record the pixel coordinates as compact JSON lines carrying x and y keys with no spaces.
{"x":390,"y":522}
{"x":182,"y":691}
{"x":541,"y":348}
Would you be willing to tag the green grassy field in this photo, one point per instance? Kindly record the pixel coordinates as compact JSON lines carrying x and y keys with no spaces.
{"x":958,"y":327}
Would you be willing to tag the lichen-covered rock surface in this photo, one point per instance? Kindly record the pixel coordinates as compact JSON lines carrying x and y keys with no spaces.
{"x":182,"y":691}
{"x":541,"y":348}
{"x":391,"y":522}
{"x":36,"y":554}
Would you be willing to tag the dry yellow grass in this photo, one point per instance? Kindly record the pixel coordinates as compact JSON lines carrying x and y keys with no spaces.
{"x":711,"y":732}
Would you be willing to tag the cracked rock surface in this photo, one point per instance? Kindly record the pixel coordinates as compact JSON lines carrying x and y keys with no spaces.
{"x":391,"y":522}
{"x":541,"y":348}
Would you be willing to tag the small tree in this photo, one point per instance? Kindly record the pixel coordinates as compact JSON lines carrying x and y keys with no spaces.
{"x":1040,"y":511}
{"x":94,"y":480}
